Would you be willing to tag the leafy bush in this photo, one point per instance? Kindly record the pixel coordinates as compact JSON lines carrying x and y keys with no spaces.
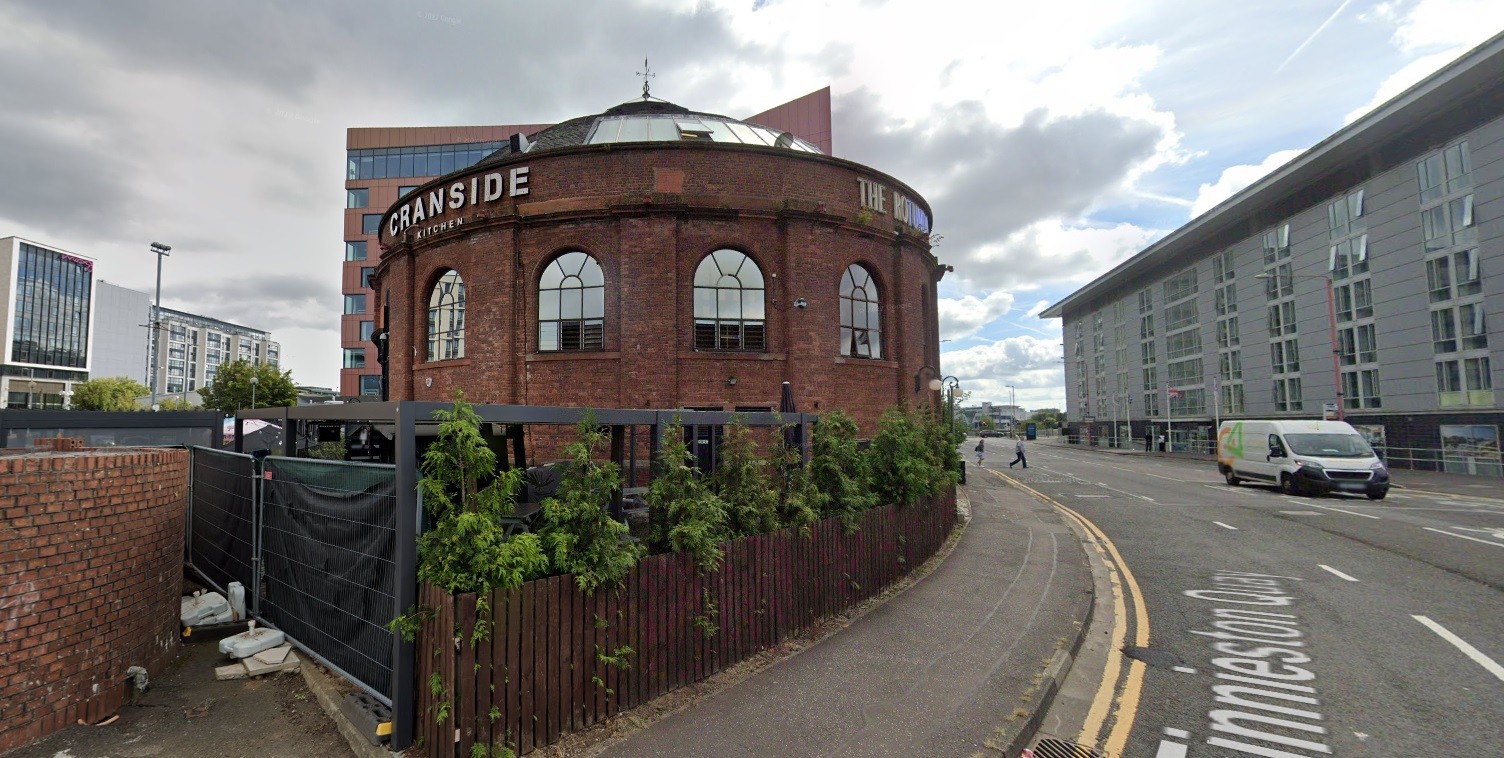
{"x":578,"y":533}
{"x":686,"y":516}
{"x":467,"y":550}
{"x":908,"y":458}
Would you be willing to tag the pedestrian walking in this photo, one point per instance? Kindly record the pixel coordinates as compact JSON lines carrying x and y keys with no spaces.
{"x":1148,"y":440}
{"x":981,"y":451}
{"x":1018,"y":447}
{"x":1161,"y":443}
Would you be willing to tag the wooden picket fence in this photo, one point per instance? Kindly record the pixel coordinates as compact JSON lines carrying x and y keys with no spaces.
{"x":550,"y":663}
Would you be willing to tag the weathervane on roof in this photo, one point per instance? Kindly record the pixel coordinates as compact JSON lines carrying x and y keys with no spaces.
{"x":646,"y":74}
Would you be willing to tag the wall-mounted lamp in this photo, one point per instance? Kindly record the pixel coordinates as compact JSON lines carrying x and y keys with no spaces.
{"x":730,"y":381}
{"x":801,"y":303}
{"x":919,"y":376}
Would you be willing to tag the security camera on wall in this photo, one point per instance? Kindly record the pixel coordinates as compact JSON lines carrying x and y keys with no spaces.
{"x":801,"y":303}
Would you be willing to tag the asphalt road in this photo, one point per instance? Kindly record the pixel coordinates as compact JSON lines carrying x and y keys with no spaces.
{"x":1297,"y":626}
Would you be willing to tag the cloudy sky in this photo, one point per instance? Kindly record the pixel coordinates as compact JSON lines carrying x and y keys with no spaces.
{"x":1052,"y":139}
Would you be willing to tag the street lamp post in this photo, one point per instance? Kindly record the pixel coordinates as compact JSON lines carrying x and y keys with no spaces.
{"x":1331,"y":318}
{"x":1012,"y":408}
{"x":950,"y":383}
{"x":254,"y":381}
{"x":162,"y":251}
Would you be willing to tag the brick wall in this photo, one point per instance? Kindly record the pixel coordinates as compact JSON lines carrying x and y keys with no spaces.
{"x":797,"y":216}
{"x":91,"y":563}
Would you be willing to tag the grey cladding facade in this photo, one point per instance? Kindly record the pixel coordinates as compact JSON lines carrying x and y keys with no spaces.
{"x":1391,"y":230}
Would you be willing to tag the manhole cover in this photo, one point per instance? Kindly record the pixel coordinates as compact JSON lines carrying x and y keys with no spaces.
{"x":1156,"y":658}
{"x":1053,"y":748}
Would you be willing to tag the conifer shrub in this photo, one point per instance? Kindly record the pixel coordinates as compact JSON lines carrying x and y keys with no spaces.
{"x":685,"y":515}
{"x":837,"y":472}
{"x":578,"y":534}
{"x":467,"y":550}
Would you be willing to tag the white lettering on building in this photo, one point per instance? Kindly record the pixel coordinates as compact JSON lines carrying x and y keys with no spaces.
{"x":873,"y":197}
{"x":487,"y":189}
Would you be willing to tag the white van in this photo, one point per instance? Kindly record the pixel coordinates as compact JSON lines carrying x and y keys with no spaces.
{"x":1301,"y":456}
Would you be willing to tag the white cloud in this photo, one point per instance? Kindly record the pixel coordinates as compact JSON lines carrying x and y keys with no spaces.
{"x":1236,"y":178}
{"x":1049,"y":251}
{"x":1430,"y":24}
{"x":1029,"y":364}
{"x":964,"y":316}
{"x":1440,"y":31}
{"x":1038,"y":308}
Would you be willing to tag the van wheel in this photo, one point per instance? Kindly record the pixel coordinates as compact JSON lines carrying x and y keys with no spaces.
{"x":1287,"y":485}
{"x":1232,"y":479}
{"x":1377,"y":495}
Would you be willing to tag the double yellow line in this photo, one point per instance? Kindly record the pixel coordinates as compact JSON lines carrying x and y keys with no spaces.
{"x":1108,"y":692}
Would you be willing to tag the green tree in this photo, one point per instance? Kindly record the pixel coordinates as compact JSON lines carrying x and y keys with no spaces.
{"x":685,"y":516}
{"x":579,"y":536}
{"x":176,"y":403}
{"x":231,"y":389}
{"x":468,"y":550}
{"x":114,"y":393}
{"x":1048,"y":418}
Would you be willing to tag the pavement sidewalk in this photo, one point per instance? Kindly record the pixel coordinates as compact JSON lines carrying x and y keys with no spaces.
{"x":959,"y":663}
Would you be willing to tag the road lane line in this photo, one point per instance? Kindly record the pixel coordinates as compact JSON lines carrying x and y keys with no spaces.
{"x":1225,"y":526}
{"x":1339,"y":510}
{"x":1169,"y":749}
{"x":1337,"y":573}
{"x":1478,"y":657}
{"x":1157,"y":476}
{"x":1462,"y":536}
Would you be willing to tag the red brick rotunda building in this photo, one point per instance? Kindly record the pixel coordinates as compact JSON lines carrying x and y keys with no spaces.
{"x":654,"y":257}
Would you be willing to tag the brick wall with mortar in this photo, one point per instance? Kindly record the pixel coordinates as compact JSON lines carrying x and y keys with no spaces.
{"x":91,"y":565}
{"x":649,"y":215}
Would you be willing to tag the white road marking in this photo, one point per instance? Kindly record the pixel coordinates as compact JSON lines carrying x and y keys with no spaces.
{"x":1225,"y":526}
{"x":1339,"y":510}
{"x":1461,"y":536}
{"x":1339,"y":574}
{"x":1225,"y":488}
{"x":1478,"y":657}
{"x":1399,"y":497}
{"x":1179,"y":734}
{"x":1300,"y":513}
{"x":1091,"y":495}
{"x":1157,"y":476}
{"x":1169,"y":749}
{"x":1184,"y":669}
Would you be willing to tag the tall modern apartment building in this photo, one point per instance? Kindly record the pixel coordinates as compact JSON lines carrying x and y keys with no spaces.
{"x":191,"y":349}
{"x":1355,"y":282}
{"x":48,"y":295}
{"x":383,"y":164}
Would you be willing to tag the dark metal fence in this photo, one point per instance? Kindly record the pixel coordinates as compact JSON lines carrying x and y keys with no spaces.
{"x":221,"y":517}
{"x":314,"y":544}
{"x":545,"y":658}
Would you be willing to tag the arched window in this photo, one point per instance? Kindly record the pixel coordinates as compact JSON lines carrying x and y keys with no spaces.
{"x":729,"y":312}
{"x":446,"y":318}
{"x":861,"y":331}
{"x":571,"y":303}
